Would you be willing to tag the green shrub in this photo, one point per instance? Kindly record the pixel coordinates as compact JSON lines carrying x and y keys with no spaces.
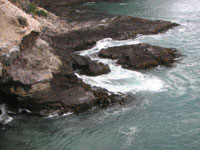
{"x":33,"y":8}
{"x":41,"y":13}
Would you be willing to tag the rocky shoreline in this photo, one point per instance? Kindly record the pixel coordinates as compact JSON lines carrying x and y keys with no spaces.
{"x":38,"y":60}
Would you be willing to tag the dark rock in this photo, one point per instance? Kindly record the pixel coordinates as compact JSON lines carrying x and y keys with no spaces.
{"x":105,"y":98}
{"x":29,"y":40}
{"x":67,"y":93}
{"x":22,"y":21}
{"x":98,"y":25}
{"x":140,"y":56}
{"x":120,"y":28}
{"x":86,"y":66}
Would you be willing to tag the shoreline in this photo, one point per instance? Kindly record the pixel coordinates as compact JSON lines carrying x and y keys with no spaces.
{"x":42,"y":79}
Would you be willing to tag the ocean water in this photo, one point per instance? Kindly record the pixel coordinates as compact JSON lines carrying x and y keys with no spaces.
{"x":166,"y":114}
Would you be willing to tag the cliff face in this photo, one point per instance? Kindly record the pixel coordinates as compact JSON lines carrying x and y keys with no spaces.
{"x":27,"y":63}
{"x":37,"y":59}
{"x":31,"y":72}
{"x":25,"y":58}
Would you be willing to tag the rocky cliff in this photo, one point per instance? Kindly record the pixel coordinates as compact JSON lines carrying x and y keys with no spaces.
{"x":38,"y":60}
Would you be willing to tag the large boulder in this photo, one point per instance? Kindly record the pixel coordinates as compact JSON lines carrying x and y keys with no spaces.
{"x":140,"y":56}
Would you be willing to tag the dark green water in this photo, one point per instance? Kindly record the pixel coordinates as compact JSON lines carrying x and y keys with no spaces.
{"x":167,"y":113}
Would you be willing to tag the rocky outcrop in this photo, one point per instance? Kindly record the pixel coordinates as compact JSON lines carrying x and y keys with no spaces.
{"x":84,"y":65}
{"x":87,"y":25}
{"x":33,"y":75}
{"x":140,"y":56}
{"x":120,"y":28}
{"x":38,"y":60}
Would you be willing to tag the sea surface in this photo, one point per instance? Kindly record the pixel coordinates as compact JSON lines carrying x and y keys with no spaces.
{"x":166,"y":113}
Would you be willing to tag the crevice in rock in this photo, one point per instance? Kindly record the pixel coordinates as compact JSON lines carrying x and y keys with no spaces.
{"x":29,"y":41}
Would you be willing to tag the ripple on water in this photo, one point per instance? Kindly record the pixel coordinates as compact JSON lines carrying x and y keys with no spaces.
{"x":129,"y":133}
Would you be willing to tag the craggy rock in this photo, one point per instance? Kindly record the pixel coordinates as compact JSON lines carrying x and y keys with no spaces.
{"x":105,"y":98}
{"x":84,"y":65}
{"x":38,"y":63}
{"x":71,"y":10}
{"x":23,"y":4}
{"x":89,"y":25}
{"x":32,"y":75}
{"x":140,"y":56}
{"x":66,"y":93}
{"x":120,"y":28}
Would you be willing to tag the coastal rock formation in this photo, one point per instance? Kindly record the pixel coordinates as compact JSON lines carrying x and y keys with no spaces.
{"x":140,"y":56}
{"x":32,"y":75}
{"x":87,"y":25}
{"x":38,"y":61}
{"x":84,"y":65}
{"x":120,"y":28}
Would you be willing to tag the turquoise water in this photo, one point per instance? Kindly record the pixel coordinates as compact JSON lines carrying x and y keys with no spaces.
{"x":166,"y":115}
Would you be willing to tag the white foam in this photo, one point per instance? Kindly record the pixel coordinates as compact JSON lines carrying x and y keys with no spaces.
{"x":122,"y":4}
{"x":52,"y":115}
{"x":55,"y":114}
{"x":90,"y":3}
{"x":129,"y":132}
{"x":105,"y":43}
{"x":4,"y":118}
{"x":23,"y":110}
{"x":67,"y":114}
{"x":119,"y":79}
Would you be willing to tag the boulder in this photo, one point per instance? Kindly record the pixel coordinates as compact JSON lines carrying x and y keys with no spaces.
{"x":140,"y":56}
{"x":84,"y":65}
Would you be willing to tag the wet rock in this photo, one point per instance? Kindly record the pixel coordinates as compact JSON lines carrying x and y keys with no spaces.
{"x":84,"y":65}
{"x":120,"y":28}
{"x":140,"y":56}
{"x":105,"y":98}
{"x":95,"y":25}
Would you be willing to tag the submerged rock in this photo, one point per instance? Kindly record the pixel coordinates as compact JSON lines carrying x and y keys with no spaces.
{"x":140,"y":56}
